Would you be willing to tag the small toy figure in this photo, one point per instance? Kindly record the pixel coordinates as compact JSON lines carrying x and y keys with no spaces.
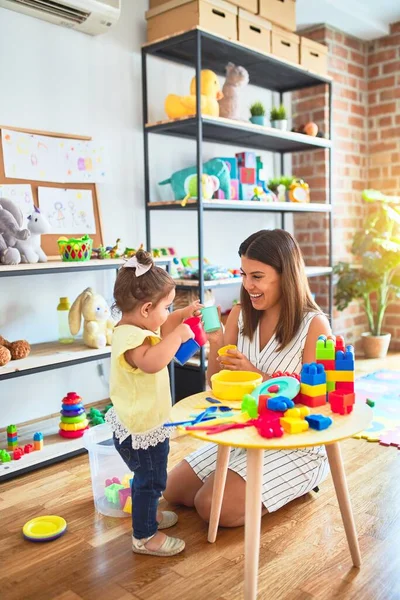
{"x":38,"y":440}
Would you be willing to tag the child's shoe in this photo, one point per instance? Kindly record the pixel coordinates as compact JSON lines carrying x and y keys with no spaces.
{"x":169,"y":519}
{"x":169,"y":547}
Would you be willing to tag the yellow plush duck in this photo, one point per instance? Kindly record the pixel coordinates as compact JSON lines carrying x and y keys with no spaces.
{"x":184,"y":106}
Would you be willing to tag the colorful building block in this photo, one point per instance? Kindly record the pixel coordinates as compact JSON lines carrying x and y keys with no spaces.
{"x":345,"y":360}
{"x":246,"y":192}
{"x":340,"y":376}
{"x":339,"y":343}
{"x":330,"y":386}
{"x":28,"y":448}
{"x":249,"y":406}
{"x":313,"y":390}
{"x":4,"y":456}
{"x":299,"y":412}
{"x":18,"y":453}
{"x":341,"y":402}
{"x":128,"y":505}
{"x":111,"y":492}
{"x":311,"y":401}
{"x":126,"y":480}
{"x":325,"y":348}
{"x":370,"y":403}
{"x":294,"y":425}
{"x":235,"y":189}
{"x":329,"y":365}
{"x":12,"y":430}
{"x":246,"y":159}
{"x":319,"y":422}
{"x":345,"y":386}
{"x":268,"y":427}
{"x":262,"y":403}
{"x":12,"y":445}
{"x":247,"y":176}
{"x":279,"y":403}
{"x":313,"y":374}
{"x":124,"y":494}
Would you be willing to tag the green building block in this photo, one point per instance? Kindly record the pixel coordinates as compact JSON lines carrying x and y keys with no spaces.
{"x":325,"y":350}
{"x":112,"y":493}
{"x":330,"y":386}
{"x":11,"y":429}
{"x":249,"y":405}
{"x":4,"y":456}
{"x":370,"y":403}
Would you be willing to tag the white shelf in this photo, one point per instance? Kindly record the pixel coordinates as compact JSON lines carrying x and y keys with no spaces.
{"x":55,"y":447}
{"x":244,"y":206}
{"x":52,"y":355}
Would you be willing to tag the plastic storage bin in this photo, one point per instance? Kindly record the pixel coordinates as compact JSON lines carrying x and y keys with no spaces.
{"x":105,"y":464}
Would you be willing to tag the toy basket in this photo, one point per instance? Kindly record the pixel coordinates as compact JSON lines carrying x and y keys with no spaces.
{"x":75,"y":249}
{"x":106,"y":468}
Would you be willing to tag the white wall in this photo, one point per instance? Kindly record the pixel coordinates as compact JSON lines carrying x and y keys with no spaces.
{"x":59,"y":80}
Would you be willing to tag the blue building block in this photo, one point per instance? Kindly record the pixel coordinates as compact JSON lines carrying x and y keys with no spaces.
{"x":232,"y":165}
{"x":38,"y":436}
{"x":313,"y":374}
{"x":344,"y":361}
{"x":319,"y":422}
{"x":279,"y":403}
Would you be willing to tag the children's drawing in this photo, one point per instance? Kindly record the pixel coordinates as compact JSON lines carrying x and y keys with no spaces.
{"x":45,"y":158}
{"x":68,"y":211}
{"x":20,"y":194}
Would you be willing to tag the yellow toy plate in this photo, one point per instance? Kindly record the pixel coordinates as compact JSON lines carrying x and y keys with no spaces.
{"x":44,"y":528}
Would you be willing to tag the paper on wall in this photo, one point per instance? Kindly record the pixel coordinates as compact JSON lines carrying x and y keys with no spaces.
{"x":68,"y":211}
{"x":20,"y":194}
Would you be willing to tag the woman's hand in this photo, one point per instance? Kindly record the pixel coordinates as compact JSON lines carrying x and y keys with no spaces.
{"x":193,"y":310}
{"x":236,"y":361}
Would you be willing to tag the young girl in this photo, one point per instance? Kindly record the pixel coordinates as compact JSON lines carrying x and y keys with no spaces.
{"x":140,"y":392}
{"x":275,"y":328}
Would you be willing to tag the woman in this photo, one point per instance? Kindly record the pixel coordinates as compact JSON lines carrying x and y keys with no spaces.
{"x":275,"y":328}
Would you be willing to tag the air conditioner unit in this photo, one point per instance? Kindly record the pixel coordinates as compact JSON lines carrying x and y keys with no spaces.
{"x":88,"y":16}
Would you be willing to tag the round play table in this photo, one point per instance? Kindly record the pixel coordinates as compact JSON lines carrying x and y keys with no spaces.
{"x":342,"y":427}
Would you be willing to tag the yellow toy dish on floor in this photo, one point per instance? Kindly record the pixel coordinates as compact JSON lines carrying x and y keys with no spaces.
{"x":44,"y":529}
{"x":184,"y":106}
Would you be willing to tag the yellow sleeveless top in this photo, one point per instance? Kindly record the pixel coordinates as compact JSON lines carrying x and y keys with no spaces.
{"x":142,"y":401}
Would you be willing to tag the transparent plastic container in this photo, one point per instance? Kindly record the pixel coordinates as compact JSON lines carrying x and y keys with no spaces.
{"x":105,"y":463}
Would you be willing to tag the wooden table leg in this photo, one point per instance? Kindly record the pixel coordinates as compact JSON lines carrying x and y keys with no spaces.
{"x":342,"y":493}
{"x":252,"y":525}
{"x":221,"y":470}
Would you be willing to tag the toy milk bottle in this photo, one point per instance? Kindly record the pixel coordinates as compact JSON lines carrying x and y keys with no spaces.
{"x":64,"y":333}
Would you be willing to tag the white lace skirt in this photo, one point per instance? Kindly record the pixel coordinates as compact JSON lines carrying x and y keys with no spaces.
{"x":140,"y":441}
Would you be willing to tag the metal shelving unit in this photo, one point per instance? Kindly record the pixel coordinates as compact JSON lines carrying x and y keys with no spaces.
{"x":201,"y":49}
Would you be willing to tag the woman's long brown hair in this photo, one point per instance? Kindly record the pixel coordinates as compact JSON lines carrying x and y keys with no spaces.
{"x":278,"y":249}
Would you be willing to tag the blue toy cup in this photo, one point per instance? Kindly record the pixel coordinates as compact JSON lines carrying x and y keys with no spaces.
{"x":210,"y":318}
{"x":186,"y":351}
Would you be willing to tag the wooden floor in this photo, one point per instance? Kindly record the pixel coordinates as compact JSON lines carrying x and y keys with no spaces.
{"x":304,"y":555}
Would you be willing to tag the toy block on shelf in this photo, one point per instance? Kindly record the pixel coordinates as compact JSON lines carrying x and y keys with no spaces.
{"x":246,"y":159}
{"x":291,"y":425}
{"x":329,"y":365}
{"x":313,"y":374}
{"x":247,"y":176}
{"x":4,"y":456}
{"x":246,"y":192}
{"x":345,"y":360}
{"x":344,"y":376}
{"x":319,"y":422}
{"x":325,"y":349}
{"x":28,"y":448}
{"x":313,"y":390}
{"x":311,"y":401}
{"x":232,"y":164}
{"x":341,"y":402}
{"x":18,"y":453}
{"x":345,"y":386}
{"x":38,"y":440}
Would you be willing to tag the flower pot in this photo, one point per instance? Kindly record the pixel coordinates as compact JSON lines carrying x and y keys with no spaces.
{"x":258,"y":120}
{"x":375,"y":346}
{"x":282,"y":124}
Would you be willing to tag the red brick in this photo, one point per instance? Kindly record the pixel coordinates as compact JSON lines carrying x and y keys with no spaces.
{"x":392,"y":132}
{"x":395,"y":27}
{"x":372,"y":97}
{"x":350,"y":94}
{"x":374,"y":71}
{"x":392,"y":67}
{"x":342,"y":105}
{"x":389,"y":40}
{"x":380,"y":57}
{"x":382,"y":109}
{"x":358,"y":58}
{"x":390,"y":94}
{"x":384,"y":121}
{"x":382,"y":82}
{"x":340,"y":51}
{"x":337,"y":63}
{"x":358,"y":109}
{"x":356,"y":121}
{"x":356,"y":70}
{"x":338,"y":37}
{"x":395,"y":171}
{"x":373,"y":136}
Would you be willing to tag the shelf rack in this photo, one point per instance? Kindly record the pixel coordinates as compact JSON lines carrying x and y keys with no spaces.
{"x":201,"y":49}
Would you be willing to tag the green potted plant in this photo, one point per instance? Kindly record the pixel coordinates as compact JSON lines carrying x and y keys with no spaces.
{"x":257,"y":111}
{"x":278,"y":117}
{"x":375,"y":279}
{"x":281,"y":186}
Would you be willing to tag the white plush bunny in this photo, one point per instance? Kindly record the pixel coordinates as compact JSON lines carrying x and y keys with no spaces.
{"x":97,"y":323}
{"x":30,"y":249}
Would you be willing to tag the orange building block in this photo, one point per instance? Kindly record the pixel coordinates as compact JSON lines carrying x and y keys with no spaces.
{"x":341,"y":402}
{"x":311,"y":401}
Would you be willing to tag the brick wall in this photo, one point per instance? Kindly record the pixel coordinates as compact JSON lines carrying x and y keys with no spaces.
{"x":384,"y":133}
{"x":366,"y":133}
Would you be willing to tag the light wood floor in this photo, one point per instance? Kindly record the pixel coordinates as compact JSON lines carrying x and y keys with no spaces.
{"x":304,"y":555}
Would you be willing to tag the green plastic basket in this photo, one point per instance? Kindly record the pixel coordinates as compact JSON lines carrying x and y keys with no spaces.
{"x":75,"y":249}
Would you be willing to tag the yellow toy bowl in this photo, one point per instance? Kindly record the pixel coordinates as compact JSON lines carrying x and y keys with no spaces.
{"x":233,"y":385}
{"x":44,"y":529}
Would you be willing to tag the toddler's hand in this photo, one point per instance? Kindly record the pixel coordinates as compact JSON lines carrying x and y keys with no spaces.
{"x":193,"y":310}
{"x":185,"y":332}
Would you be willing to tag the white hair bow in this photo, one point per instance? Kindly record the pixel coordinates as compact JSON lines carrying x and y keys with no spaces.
{"x":133,"y":263}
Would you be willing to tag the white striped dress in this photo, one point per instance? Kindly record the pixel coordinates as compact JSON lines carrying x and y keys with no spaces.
{"x":287,"y":474}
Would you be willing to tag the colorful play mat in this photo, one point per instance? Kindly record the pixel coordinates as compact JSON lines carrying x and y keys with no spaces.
{"x":383,"y":388}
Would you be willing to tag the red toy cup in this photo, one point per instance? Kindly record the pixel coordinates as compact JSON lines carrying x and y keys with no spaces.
{"x":196,"y":326}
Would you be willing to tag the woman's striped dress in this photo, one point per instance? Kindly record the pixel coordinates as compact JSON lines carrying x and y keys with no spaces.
{"x":287,"y":474}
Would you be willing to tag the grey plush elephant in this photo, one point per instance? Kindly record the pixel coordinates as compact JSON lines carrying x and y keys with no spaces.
{"x":11,"y":220}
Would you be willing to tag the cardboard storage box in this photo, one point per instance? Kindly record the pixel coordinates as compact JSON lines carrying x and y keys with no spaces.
{"x":175,"y":16}
{"x":280,"y":12}
{"x":313,"y":56}
{"x":285,"y":44}
{"x":254,"y":31}
{"x":250,"y":5}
